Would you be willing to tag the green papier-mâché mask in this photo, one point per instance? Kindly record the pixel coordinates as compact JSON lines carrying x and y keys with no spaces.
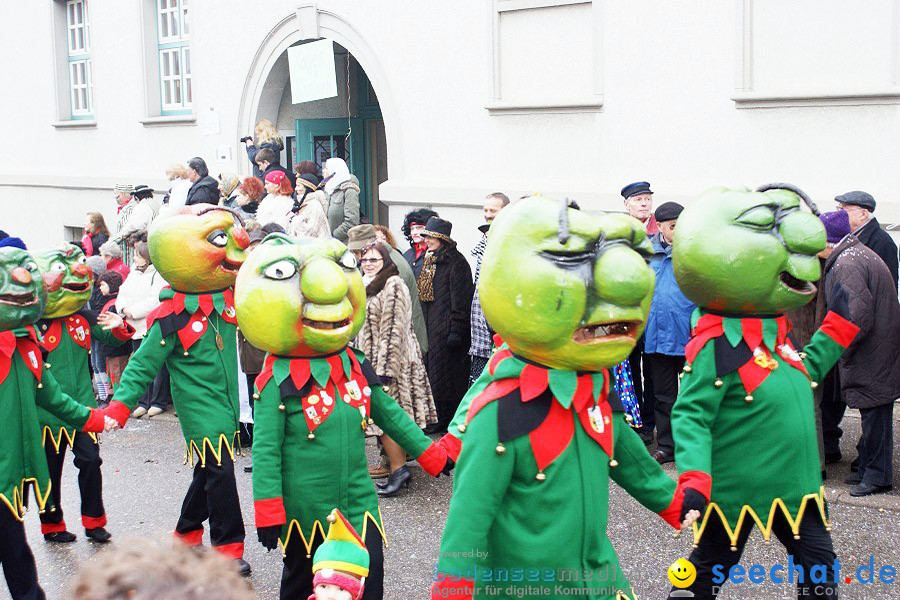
{"x":300,"y":297}
{"x":67,"y":279}
{"x":565,"y":288}
{"x":22,"y":295}
{"x":198,"y":248}
{"x":743,"y":252}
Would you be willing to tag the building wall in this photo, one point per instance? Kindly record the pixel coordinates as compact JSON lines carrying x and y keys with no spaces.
{"x":571,"y":99}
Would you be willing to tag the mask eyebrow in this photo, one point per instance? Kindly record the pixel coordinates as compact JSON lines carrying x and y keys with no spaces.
{"x":563,"y":231}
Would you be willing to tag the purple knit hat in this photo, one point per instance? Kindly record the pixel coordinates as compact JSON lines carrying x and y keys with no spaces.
{"x":837,"y":225}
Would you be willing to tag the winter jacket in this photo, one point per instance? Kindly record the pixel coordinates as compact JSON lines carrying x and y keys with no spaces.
{"x":204,"y":190}
{"x":91,"y":242}
{"x":669,"y":323}
{"x":343,"y":209}
{"x":178,"y":192}
{"x":273,"y":145}
{"x":119,"y":266}
{"x":250,"y":358}
{"x":139,"y":220}
{"x":870,"y":368}
{"x":415,"y":261}
{"x":139,"y":293}
{"x":880,"y":242}
{"x":310,"y":221}
{"x":275,"y":209}
{"x":418,"y":318}
{"x":447,"y":322}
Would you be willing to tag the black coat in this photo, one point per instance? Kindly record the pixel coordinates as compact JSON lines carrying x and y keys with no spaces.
{"x":447,"y":324}
{"x":870,"y":367}
{"x":292,"y":177}
{"x":205,"y":190}
{"x":415,"y":263}
{"x":252,"y":149}
{"x":872,"y":235}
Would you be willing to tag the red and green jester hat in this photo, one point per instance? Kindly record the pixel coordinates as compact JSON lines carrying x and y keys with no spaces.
{"x":303,"y":301}
{"x":26,"y":386}
{"x":341,"y":563}
{"x":67,"y":328}
{"x":569,"y":294}
{"x":743,"y":422}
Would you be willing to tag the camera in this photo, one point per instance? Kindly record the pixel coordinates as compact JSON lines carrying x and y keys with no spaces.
{"x":246,"y":138}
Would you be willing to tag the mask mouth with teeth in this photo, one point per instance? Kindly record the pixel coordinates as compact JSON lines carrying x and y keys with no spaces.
{"x":744,"y":252}
{"x":565,"y":288}
{"x":67,"y":278}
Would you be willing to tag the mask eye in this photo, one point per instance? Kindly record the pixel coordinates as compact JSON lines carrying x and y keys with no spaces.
{"x":283,"y":269}
{"x":348,"y":261}
{"x":30,"y":266}
{"x":218,"y":238}
{"x":760,"y":217}
{"x":83,"y":260}
{"x":58,"y":267}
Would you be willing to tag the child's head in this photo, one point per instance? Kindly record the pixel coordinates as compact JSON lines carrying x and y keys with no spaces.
{"x":109,"y":283}
{"x":341,"y":563}
{"x":333,"y":591}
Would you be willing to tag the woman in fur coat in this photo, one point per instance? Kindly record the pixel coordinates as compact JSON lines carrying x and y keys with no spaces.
{"x":388,"y":340}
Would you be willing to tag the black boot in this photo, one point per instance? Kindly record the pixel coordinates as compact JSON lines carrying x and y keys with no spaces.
{"x":396,"y":480}
{"x":98,"y":534}
{"x":60,"y":537}
{"x":243,"y":566}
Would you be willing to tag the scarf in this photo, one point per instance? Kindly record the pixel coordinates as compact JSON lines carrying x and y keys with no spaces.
{"x":339,"y":174}
{"x":425,"y":282}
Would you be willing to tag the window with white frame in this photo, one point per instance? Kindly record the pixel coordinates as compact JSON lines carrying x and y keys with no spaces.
{"x":173,"y":34}
{"x":78,"y":41}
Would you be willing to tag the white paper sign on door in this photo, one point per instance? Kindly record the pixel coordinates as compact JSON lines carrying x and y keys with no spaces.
{"x":312,"y":71}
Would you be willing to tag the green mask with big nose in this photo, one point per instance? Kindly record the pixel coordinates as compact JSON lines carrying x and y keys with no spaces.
{"x":22,"y":295}
{"x":744,"y":252}
{"x":300,"y":297}
{"x":565,"y":288}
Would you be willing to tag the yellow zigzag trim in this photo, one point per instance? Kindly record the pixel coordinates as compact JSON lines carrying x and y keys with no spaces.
{"x":17,"y":506}
{"x":230,"y":445}
{"x":766,"y":530}
{"x":317,"y":525}
{"x":64,"y":432}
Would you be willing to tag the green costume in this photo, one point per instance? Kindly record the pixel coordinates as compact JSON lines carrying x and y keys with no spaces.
{"x":568,"y":292}
{"x":303,"y":301}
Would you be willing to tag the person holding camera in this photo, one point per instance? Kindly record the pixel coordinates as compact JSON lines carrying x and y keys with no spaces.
{"x":266,"y":138}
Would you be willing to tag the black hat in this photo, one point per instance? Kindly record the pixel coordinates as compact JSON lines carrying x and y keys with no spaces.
{"x":857,"y":198}
{"x":309,"y":180}
{"x":438,"y":228}
{"x":668,"y":211}
{"x":142,"y":191}
{"x":638,"y":187}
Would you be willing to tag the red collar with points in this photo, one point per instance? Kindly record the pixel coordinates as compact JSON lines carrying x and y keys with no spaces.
{"x":24,"y":341}
{"x":75,"y":325}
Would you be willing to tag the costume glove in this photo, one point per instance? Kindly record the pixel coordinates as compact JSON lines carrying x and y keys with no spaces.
{"x":693,"y":500}
{"x":268,"y":536}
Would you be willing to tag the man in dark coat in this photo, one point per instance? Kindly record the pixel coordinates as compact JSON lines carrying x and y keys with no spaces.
{"x":445,"y":291}
{"x":204,"y":188}
{"x":413,"y":225}
{"x":870,"y":368}
{"x":860,"y":207}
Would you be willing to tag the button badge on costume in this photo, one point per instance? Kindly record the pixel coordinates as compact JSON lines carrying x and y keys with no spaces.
{"x":597,"y":419}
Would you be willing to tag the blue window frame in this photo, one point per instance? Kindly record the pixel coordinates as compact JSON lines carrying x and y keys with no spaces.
{"x":173,"y":34}
{"x":78,"y":43}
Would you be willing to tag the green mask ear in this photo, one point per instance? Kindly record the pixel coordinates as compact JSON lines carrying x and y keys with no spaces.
{"x":277,"y":239}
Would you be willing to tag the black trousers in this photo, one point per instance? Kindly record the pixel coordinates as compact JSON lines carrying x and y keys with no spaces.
{"x":158,"y":393}
{"x":876,"y":445}
{"x":813,"y":548}
{"x":833,"y":409}
{"x":297,"y":576}
{"x":664,"y":370}
{"x":478,"y":365}
{"x":90,"y":483}
{"x":213,"y":495}
{"x":643,"y":388}
{"x":17,"y":559}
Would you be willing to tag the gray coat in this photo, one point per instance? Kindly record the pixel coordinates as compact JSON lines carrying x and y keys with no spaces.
{"x":418,"y":319}
{"x":870,"y":368}
{"x":343,"y":209}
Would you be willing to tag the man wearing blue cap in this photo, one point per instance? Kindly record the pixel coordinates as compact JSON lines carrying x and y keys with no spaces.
{"x":639,"y":204}
{"x":859,"y":206}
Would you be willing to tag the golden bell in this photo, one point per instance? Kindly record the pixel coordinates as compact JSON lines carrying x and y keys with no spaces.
{"x":802,"y":355}
{"x":162,"y":342}
{"x":828,"y":529}
{"x":813,"y":385}
{"x":311,"y":436}
{"x":540,"y":476}
{"x":629,"y":419}
{"x":370,"y":422}
{"x":687,"y":369}
{"x":255,"y":396}
{"x":613,"y":463}
{"x":734,"y":548}
{"x":695,"y":546}
{"x":47,"y":365}
{"x":748,"y":398}
{"x":185,"y":352}
{"x":331,"y":518}
{"x":797,"y":537}
{"x":718,"y":383}
{"x":281,"y":407}
{"x":40,"y":385}
{"x":500,"y":449}
{"x":461,"y":427}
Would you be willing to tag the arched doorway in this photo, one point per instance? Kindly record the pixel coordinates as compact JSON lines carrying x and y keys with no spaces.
{"x":353,"y":125}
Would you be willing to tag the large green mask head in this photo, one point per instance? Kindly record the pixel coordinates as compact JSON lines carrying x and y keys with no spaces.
{"x":300,"y":297}
{"x":198,"y":248}
{"x":565,"y":288}
{"x":22,"y":295}
{"x":744,"y":252}
{"x":67,"y":279}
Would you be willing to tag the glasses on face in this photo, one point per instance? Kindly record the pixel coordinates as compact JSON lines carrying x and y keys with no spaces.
{"x":370,"y":261}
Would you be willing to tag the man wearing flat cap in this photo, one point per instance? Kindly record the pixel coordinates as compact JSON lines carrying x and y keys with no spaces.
{"x":638,"y":198}
{"x":668,"y":330}
{"x":860,"y":207}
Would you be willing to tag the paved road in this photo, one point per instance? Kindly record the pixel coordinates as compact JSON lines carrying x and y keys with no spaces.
{"x":145,"y":481}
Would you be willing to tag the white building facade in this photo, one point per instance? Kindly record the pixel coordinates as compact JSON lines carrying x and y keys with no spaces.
{"x":447,"y":101}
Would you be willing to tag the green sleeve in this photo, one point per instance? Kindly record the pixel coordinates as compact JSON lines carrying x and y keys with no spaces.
{"x":637,"y":473}
{"x":143,"y":366}
{"x":480,"y":484}
{"x":106,"y":336}
{"x":694,"y":413}
{"x":268,"y":441}
{"x":51,"y":398}
{"x":388,"y":415}
{"x":822,"y":352}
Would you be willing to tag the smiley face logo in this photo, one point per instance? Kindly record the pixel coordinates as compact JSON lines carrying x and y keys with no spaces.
{"x":682,"y":573}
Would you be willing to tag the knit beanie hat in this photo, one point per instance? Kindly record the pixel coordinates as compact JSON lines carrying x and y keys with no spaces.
{"x":275,"y":177}
{"x":342,"y":559}
{"x":113,"y":280}
{"x":837,"y":225}
{"x":97,"y":265}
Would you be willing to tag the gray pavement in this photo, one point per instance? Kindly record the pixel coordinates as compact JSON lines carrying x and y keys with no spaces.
{"x":145,"y":480}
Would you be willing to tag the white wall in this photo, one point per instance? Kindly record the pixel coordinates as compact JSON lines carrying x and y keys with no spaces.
{"x":665,"y":73}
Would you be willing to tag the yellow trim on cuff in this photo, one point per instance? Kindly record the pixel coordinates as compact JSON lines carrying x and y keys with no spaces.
{"x":230,"y":445}
{"x":317,"y":525}
{"x":64,"y":432}
{"x":17,"y":506}
{"x":766,"y":530}
{"x":339,"y":565}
